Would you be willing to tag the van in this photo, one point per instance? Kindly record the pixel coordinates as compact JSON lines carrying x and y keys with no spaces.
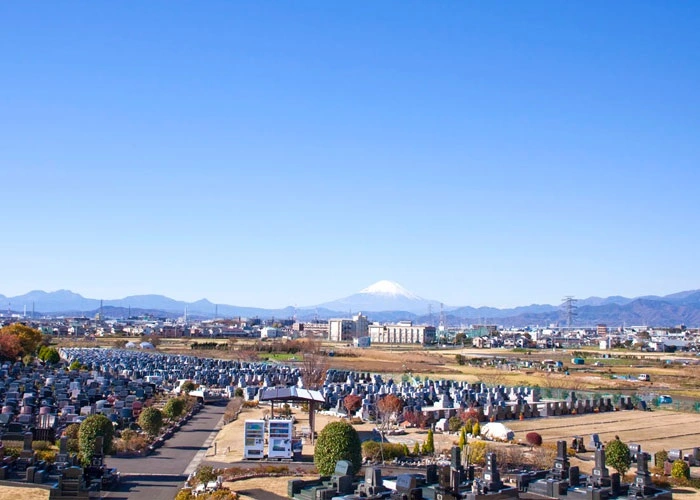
{"x":644,"y":377}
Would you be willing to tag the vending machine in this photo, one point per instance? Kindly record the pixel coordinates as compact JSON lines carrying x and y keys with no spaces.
{"x":254,"y":439}
{"x":280,"y":439}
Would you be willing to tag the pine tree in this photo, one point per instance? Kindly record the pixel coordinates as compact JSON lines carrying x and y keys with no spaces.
{"x":430,"y":442}
{"x":476,"y":429}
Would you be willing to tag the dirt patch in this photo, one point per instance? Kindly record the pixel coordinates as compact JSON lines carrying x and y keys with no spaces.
{"x":14,"y":492}
{"x":263,"y":488}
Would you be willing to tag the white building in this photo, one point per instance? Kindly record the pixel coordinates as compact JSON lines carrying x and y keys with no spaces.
{"x":270,"y":332}
{"x":344,"y":330}
{"x":403,"y":332}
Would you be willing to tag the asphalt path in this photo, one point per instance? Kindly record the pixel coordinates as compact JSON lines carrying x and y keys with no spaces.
{"x":160,"y":475}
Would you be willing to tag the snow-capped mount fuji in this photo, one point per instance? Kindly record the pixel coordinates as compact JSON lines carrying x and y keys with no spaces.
{"x":383,"y":295}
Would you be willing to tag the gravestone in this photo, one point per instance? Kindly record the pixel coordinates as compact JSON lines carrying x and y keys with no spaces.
{"x":491,"y":477}
{"x":62,"y":456}
{"x":600,"y":475}
{"x":561,"y":463}
{"x":341,"y":481}
{"x":642,"y":479}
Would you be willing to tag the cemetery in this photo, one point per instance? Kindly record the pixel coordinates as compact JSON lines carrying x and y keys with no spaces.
{"x":38,"y":401}
{"x":461,"y":481}
{"x":441,"y":399}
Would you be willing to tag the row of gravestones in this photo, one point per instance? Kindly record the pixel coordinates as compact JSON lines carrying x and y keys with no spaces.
{"x":439,"y":396}
{"x":485,"y":408}
{"x":455,"y":482}
{"x":168,"y":369}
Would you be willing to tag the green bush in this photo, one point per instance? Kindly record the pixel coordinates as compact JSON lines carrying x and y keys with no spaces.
{"x":680,"y":470}
{"x":476,"y":452}
{"x":205,"y":473}
{"x":454,"y":423}
{"x":476,"y":429}
{"x":337,"y":441}
{"x":174,"y":408}
{"x":462,"y":438}
{"x":660,"y":457}
{"x":373,"y":450}
{"x":93,"y":426}
{"x":72,"y":433}
{"x":617,"y":456}
{"x":151,"y":420}
{"x":41,"y":445}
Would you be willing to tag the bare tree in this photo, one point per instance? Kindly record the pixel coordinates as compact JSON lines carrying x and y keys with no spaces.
{"x":387,"y":408}
{"x":314,"y":365}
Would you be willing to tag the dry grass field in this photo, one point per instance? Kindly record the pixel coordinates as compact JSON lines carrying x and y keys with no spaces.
{"x":653,"y":430}
{"x":13,"y":493}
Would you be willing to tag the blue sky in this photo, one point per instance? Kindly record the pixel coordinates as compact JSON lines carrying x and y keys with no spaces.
{"x":290,"y":153}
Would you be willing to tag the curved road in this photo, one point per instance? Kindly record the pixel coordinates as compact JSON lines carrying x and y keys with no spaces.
{"x":160,"y":475}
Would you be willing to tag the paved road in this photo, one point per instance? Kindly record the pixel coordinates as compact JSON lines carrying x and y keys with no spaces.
{"x":160,"y":475}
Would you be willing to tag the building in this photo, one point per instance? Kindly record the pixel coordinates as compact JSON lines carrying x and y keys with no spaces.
{"x":340,"y":330}
{"x":403,"y":332}
{"x":270,"y":332}
{"x":345,"y":330}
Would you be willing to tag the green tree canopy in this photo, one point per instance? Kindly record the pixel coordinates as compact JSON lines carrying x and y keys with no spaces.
{"x":617,"y":456}
{"x":151,"y":420}
{"x":174,"y":408}
{"x":49,"y":355}
{"x":337,"y":441}
{"x":93,"y":426}
{"x":187,"y":387}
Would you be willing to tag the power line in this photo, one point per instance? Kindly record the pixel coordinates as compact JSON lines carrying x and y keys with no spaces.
{"x":570,"y":309}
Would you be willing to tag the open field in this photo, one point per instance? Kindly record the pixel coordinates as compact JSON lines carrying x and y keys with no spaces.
{"x":654,"y":431}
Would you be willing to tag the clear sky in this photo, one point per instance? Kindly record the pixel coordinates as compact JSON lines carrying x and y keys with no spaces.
{"x":290,"y":153}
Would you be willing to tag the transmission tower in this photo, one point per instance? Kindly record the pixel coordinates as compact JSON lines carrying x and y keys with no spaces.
{"x":570,"y":309}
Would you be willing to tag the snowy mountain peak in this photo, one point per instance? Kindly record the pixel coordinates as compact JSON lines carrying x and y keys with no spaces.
{"x":386,"y":287}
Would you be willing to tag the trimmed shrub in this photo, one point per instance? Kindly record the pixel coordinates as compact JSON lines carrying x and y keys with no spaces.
{"x":430,"y":442}
{"x":454,"y":423}
{"x":680,"y":470}
{"x":372,"y":450}
{"x":533,"y":439}
{"x":476,"y":429}
{"x":660,"y":457}
{"x":151,"y":420}
{"x":93,"y":426}
{"x":476,"y":452}
{"x":337,"y":441}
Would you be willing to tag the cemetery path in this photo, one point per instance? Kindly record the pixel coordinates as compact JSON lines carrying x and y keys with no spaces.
{"x":160,"y":475}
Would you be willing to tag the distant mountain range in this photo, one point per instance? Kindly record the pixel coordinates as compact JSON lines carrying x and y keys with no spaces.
{"x":382,"y":301}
